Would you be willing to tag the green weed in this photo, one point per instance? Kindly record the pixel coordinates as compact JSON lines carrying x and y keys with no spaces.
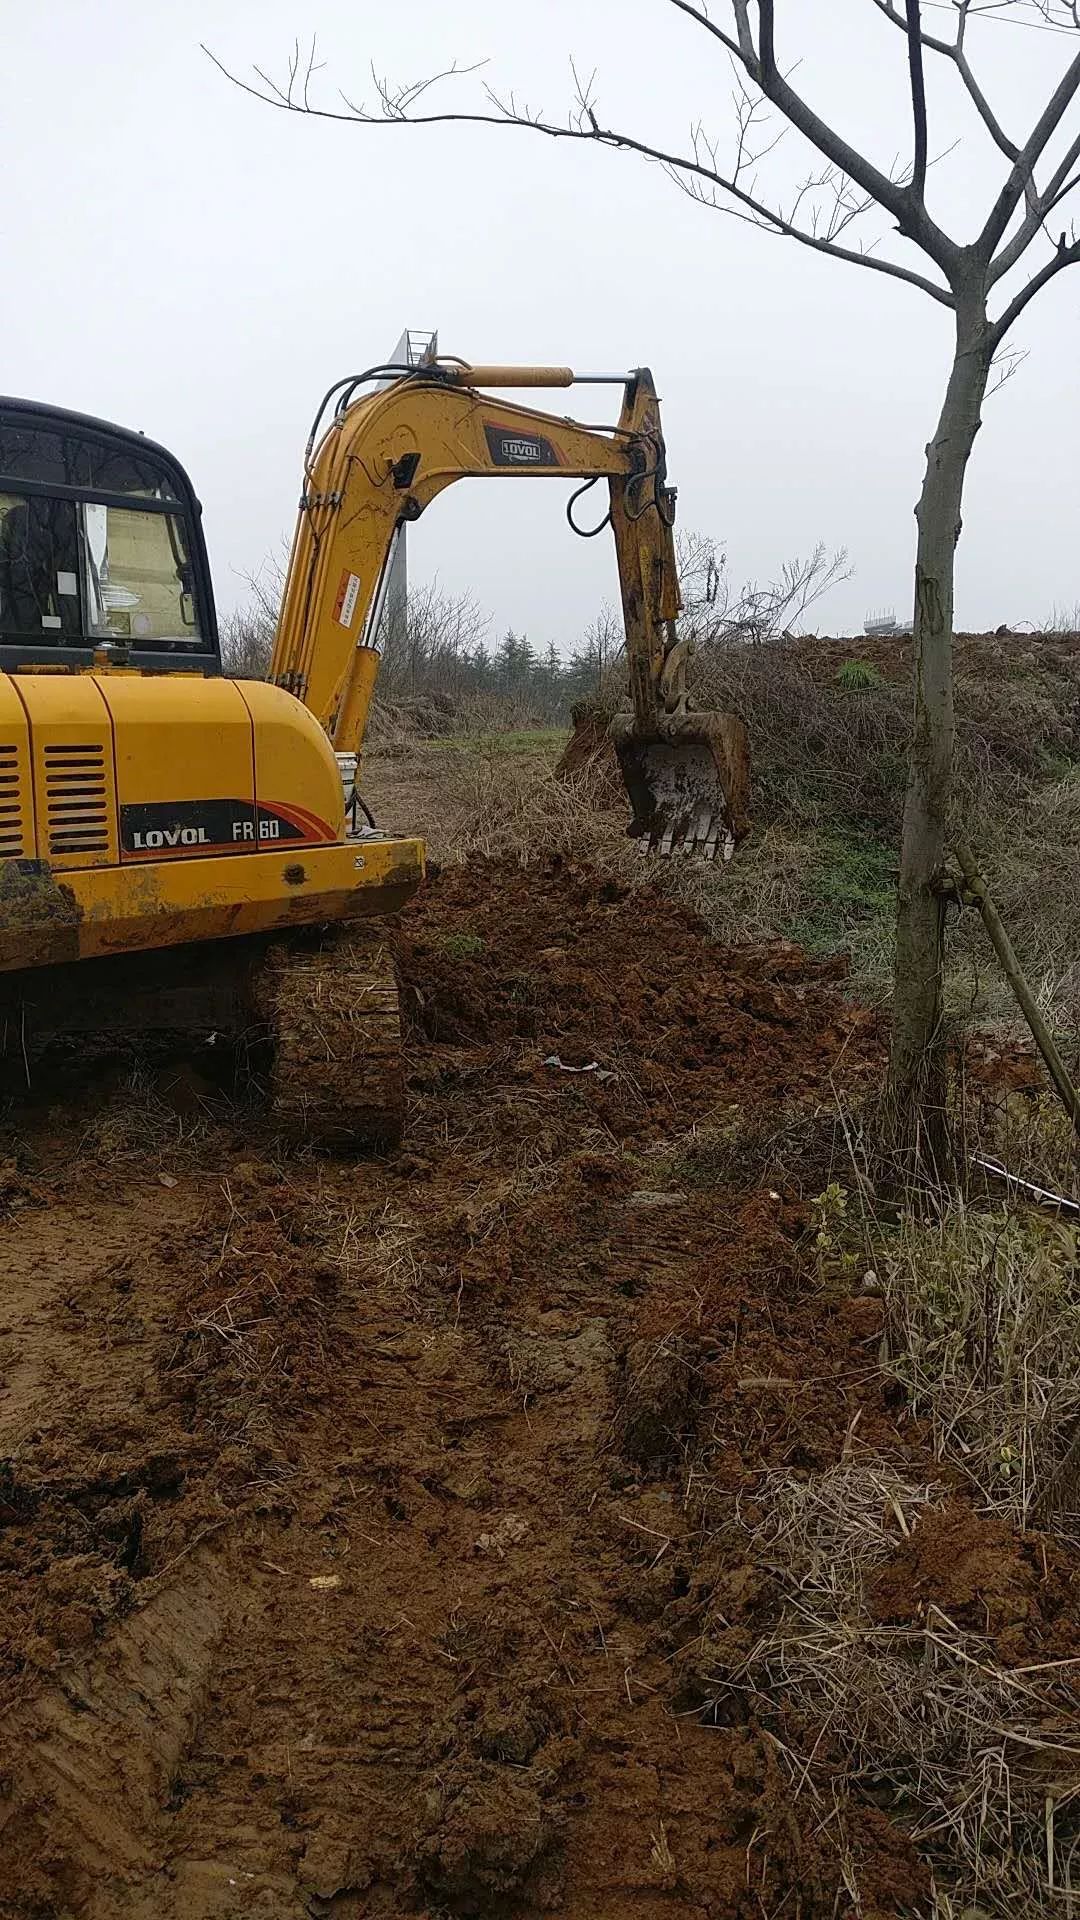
{"x":850,"y":883}
{"x":858,"y":676}
{"x":461,"y":946}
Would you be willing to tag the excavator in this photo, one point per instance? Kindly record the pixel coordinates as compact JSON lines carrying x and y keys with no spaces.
{"x":184,"y":851}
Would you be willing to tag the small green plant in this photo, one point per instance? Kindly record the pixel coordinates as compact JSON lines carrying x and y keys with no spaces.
{"x":461,"y":946}
{"x":830,"y":1232}
{"x":858,"y":676}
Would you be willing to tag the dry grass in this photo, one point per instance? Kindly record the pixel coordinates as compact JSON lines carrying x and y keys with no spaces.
{"x":1028,"y":1132}
{"x":980,"y":1762}
{"x":984,"y":1332}
{"x":1035,"y":887}
{"x":497,"y":804}
{"x":825,"y":750}
{"x":134,"y":1122}
{"x":803,"y":1149}
{"x":821,"y":753}
{"x":762,"y":892}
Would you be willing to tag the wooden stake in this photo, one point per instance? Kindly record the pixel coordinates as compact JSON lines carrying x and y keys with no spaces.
{"x":1014,"y":973}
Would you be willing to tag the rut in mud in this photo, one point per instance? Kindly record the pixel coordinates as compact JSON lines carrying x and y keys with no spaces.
{"x":365,"y":1530}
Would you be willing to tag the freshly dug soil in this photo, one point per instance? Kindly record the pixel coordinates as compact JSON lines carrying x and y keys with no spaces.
{"x":659,"y":1027}
{"x":364,"y":1527}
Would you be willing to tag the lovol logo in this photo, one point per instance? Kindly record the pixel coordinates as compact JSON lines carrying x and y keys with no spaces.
{"x":511,"y":449}
{"x":155,"y":837}
{"x":176,"y":827}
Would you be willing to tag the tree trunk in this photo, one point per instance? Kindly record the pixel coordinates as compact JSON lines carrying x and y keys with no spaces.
{"x":916,"y":1075}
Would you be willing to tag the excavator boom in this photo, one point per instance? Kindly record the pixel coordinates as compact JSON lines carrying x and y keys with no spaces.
{"x":381,"y":462}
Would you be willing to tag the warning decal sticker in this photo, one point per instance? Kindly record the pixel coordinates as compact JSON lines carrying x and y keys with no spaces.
{"x":348,"y":594}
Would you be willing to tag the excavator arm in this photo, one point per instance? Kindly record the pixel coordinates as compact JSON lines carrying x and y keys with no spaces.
{"x":380,"y":463}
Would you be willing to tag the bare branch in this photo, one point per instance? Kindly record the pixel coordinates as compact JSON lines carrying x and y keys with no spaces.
{"x":760,"y":63}
{"x":583,"y":127}
{"x":1004,"y":364}
{"x":1018,"y":185}
{"x":715,"y":613}
{"x":918,"y":97}
{"x":1040,"y":206}
{"x":1066,"y":255}
{"x":757,"y":214}
{"x":1068,"y":187}
{"x":954,"y":51}
{"x":733,"y":46}
{"x":1060,"y":16}
{"x":902,"y":202}
{"x":746,"y":38}
{"x":767,"y":42}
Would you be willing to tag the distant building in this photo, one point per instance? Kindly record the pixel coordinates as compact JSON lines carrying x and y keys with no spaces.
{"x":885,"y":622}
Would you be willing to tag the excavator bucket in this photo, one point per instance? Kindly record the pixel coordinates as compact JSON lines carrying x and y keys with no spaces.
{"x":688,"y":782}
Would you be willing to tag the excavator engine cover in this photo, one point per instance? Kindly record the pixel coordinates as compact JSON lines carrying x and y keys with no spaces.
{"x":688,"y":782}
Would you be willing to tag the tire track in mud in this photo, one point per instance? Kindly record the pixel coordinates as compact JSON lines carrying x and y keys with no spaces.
{"x":69,"y":1263}
{"x":471,"y":1710}
{"x":95,"y":1754}
{"x":396,"y":1497}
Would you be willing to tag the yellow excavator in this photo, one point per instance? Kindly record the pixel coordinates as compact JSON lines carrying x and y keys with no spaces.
{"x":184,"y":851}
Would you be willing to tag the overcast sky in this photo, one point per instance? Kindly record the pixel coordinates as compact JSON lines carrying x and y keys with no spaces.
{"x":182,"y":259}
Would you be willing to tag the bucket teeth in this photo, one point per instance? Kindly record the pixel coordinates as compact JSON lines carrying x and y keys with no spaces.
{"x":687,"y":787}
{"x":707,"y":836}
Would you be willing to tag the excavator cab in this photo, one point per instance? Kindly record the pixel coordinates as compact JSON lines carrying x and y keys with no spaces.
{"x":101,"y":549}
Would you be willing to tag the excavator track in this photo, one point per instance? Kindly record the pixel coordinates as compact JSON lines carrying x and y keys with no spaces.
{"x":330,"y":1002}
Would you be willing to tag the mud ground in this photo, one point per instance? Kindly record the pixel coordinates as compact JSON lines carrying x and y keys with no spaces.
{"x":365,"y":1542}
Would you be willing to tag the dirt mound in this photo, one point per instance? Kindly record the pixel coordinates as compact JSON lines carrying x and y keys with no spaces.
{"x":1002,"y":654}
{"x":1019,"y":1591}
{"x":371,"y":1534}
{"x":621,"y":989}
{"x":589,"y":754}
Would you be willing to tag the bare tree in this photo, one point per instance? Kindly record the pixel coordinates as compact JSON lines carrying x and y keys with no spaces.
{"x":716,"y":611}
{"x":980,"y":280}
{"x":247,"y":635}
{"x":442,"y":640}
{"x":1062,"y":619}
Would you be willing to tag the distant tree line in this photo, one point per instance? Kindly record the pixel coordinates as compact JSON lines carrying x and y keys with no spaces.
{"x":445,"y":649}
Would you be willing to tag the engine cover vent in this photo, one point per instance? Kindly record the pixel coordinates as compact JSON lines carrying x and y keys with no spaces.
{"x":76,"y":799}
{"x":12,"y":820}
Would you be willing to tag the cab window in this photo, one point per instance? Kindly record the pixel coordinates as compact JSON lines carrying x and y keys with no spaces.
{"x":72,"y":571}
{"x":39,"y":569}
{"x":51,"y":457}
{"x":138,"y":578}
